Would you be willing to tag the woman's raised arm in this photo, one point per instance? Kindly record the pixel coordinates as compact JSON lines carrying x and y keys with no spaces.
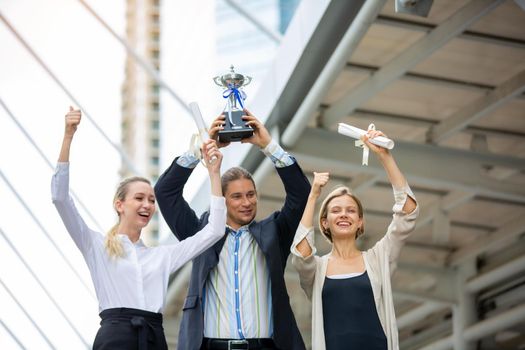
{"x":395,"y":176}
{"x":72,"y":220}
{"x":320,"y":179}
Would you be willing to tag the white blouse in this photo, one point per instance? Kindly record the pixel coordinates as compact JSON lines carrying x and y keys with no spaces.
{"x":138,"y":280}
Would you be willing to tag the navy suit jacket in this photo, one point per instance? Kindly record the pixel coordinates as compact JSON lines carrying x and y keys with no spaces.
{"x":273,"y":234}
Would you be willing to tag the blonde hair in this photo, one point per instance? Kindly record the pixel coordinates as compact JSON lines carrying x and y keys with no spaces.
{"x":112,"y":243}
{"x":323,"y":211}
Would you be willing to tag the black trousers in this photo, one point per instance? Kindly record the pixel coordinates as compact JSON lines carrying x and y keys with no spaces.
{"x":130,"y":329}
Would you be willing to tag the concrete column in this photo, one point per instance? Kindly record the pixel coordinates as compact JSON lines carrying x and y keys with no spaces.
{"x":464,"y":311}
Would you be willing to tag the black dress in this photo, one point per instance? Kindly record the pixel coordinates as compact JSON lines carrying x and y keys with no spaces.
{"x":350,"y":315}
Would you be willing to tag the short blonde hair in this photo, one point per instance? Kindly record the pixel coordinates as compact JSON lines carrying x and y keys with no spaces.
{"x":323,"y":211}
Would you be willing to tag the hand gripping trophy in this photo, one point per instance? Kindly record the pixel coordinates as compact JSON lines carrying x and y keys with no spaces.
{"x":234,"y":127}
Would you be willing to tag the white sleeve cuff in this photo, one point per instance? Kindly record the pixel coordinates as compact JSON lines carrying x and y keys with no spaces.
{"x":302,"y":233}
{"x":271,"y":148}
{"x":62,"y":167}
{"x":400,"y":197}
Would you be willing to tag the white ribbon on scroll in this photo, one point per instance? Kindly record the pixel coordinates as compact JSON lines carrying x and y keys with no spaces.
{"x":356,"y":133}
{"x":203,"y":132}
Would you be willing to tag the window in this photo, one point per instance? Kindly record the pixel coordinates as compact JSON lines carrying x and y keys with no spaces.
{"x":155,"y":89}
{"x":155,"y":105}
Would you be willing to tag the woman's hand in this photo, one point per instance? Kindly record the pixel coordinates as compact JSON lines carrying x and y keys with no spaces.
{"x":73,"y":118}
{"x":212,"y":156}
{"x":320,"y":180}
{"x":370,"y":134}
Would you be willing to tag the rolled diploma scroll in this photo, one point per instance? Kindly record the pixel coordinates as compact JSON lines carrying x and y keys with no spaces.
{"x":197,"y":117}
{"x":356,"y":133}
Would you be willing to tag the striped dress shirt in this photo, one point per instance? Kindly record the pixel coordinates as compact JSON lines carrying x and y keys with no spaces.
{"x":237,"y":295}
{"x":237,"y":298}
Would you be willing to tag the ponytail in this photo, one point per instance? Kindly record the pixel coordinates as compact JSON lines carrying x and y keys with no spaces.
{"x":112,"y":243}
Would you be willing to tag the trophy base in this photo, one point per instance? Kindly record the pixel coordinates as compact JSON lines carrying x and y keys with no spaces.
{"x":235,"y":135}
{"x":236,"y":131}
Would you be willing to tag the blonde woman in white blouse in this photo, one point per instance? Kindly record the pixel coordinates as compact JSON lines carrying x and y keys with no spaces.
{"x":352,"y":305}
{"x":130,"y":278}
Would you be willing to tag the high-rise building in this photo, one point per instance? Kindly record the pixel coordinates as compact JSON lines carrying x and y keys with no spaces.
{"x":141,"y":97}
{"x":238,"y":42}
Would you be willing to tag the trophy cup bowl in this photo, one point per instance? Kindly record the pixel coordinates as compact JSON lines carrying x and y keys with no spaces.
{"x":235,"y":128}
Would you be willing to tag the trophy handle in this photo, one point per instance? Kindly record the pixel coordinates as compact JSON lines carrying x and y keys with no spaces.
{"x":247,"y":80}
{"x":217,"y":80}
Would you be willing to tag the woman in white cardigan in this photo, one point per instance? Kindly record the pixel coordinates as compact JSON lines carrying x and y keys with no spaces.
{"x":350,"y":290}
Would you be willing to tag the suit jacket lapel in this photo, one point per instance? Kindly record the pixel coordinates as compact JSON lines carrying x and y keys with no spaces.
{"x":255,"y":230}
{"x":217,"y":247}
{"x":212,"y":254}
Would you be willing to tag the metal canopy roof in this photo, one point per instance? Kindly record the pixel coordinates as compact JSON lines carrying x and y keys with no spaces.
{"x":449,"y":89}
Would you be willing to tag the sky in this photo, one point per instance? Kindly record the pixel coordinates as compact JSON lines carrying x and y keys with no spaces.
{"x":89,"y":62}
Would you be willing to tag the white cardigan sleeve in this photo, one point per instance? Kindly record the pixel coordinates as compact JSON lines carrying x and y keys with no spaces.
{"x":400,"y":228}
{"x":305,"y":266}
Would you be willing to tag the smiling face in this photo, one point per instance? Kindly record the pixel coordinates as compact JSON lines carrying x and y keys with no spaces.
{"x":341,"y":215}
{"x":138,"y":205}
{"x":241,"y":202}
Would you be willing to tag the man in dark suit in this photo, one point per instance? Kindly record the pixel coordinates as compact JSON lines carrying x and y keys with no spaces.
{"x":237,"y":298}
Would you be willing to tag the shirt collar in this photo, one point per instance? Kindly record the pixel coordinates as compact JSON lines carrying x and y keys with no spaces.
{"x":240,"y":231}
{"x":138,"y":244}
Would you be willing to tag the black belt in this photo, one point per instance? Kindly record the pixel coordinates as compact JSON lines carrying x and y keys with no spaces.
{"x":231,"y":344}
{"x":142,"y":321}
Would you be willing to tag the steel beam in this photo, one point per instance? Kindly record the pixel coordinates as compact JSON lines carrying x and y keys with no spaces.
{"x":466,"y":35}
{"x":500,"y":237}
{"x":412,"y":56}
{"x":421,"y":122}
{"x":423,"y":164}
{"x":353,"y":36}
{"x":515,"y":267}
{"x":418,"y":313}
{"x":478,"y":108}
{"x":483,"y":328}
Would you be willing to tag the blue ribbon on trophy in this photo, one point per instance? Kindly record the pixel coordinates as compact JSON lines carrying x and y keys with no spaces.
{"x":239,"y":95}
{"x":235,"y":129}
